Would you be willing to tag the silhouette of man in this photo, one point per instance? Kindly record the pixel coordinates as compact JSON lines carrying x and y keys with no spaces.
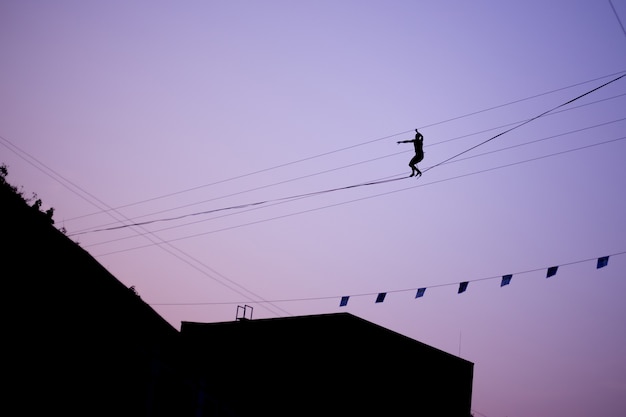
{"x":418,"y":142}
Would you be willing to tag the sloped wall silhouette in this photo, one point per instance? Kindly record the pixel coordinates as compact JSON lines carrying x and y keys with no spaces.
{"x":79,"y":342}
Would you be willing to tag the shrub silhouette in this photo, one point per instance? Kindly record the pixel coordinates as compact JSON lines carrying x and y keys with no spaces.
{"x":19,"y":195}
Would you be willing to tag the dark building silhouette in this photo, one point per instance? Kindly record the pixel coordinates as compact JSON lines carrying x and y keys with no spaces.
{"x":79,"y":342}
{"x":326,"y":365}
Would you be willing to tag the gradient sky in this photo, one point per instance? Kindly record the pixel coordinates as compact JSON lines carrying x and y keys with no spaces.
{"x":226,"y":114}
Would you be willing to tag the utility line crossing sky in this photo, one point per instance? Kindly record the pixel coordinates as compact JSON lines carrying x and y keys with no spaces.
{"x":214,"y":154}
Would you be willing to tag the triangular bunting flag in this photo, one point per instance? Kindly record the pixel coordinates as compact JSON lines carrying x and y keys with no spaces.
{"x":602,"y":262}
{"x":551,"y":271}
{"x":381,"y":297}
{"x":462,"y":287}
{"x":420,"y":292}
{"x":344,"y":301}
{"x":506,"y":280}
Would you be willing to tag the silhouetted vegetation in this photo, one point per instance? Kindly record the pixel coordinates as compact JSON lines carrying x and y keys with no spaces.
{"x":85,"y":344}
{"x":4,"y":171}
{"x":19,"y":195}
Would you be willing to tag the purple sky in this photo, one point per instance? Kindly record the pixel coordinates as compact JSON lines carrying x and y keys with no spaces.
{"x":172,"y":109}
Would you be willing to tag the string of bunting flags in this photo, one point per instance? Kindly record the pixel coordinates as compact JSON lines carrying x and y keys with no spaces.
{"x":505,"y":280}
{"x":601,"y":262}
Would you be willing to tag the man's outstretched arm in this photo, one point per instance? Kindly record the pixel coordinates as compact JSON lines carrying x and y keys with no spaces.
{"x":406,"y":141}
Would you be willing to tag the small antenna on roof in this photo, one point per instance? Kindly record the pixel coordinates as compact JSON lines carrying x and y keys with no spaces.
{"x":243,"y":316}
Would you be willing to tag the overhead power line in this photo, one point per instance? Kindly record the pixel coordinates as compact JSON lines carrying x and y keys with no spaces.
{"x":325,"y":191}
{"x":420,"y":185}
{"x":201,"y":267}
{"x":256,"y":206}
{"x":354,"y":200}
{"x":530,"y":120}
{"x":412,"y":289}
{"x":293,"y":197}
{"x":351,"y":146}
{"x":617,"y":17}
{"x":135,"y":218}
{"x":109,"y":209}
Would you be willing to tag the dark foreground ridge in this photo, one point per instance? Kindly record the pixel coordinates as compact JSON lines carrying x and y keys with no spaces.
{"x":79,"y":342}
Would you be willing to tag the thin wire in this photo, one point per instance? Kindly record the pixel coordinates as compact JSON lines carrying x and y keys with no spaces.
{"x":441,"y":142}
{"x":248,"y":174}
{"x":617,"y":16}
{"x":249,"y":190}
{"x":528,"y":121}
{"x":521,"y":100}
{"x":455,"y":283}
{"x":352,"y":146}
{"x":374,"y":182}
{"x":102,"y":226}
{"x":59,"y":178}
{"x":450,"y":162}
{"x":455,"y":156}
{"x":390,"y":176}
{"x":298,"y":196}
{"x":371,"y":196}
